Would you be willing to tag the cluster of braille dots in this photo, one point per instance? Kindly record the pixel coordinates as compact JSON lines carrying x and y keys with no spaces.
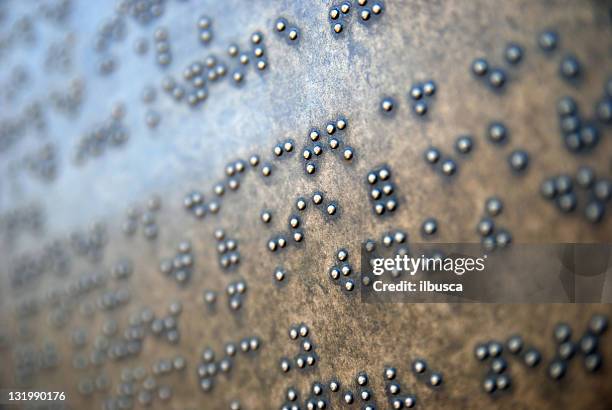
{"x":560,"y":190}
{"x":194,"y":203}
{"x":307,"y":356}
{"x":122,"y":269}
{"x":137,"y":386}
{"x":69,"y":98}
{"x":340,"y":272}
{"x":150,"y":228}
{"x":110,"y":344}
{"x":496,"y":77}
{"x":393,"y":388}
{"x":205,"y":31}
{"x":111,"y":133}
{"x":180,"y":267}
{"x":339,"y":14}
{"x":236,"y":292}
{"x":383,"y":195}
{"x":569,"y":65}
{"x":111,"y":30}
{"x":498,"y":377}
{"x":112,"y":299}
{"x":285,"y":148}
{"x":295,"y":224}
{"x":317,"y":399}
{"x":227,"y":249}
{"x":278,"y":241}
{"x":292,"y":34}
{"x":165,"y":366}
{"x":445,"y":165}
{"x":164,"y":327}
{"x":498,"y":134}
{"x":163,"y":54}
{"x":91,"y":242}
{"x":588,"y":346}
{"x":420,"y":94}
{"x":143,"y":11}
{"x":148,"y":96}
{"x":257,"y":54}
{"x":208,"y":369}
{"x":76,"y":289}
{"x":388,"y":239}
{"x":364,"y":393}
{"x":604,"y":105}
{"x":42,"y":162}
{"x":30,"y":360}
{"x":28,"y":268}
{"x":423,"y":373}
{"x":492,"y":237}
{"x":578,"y":135}
{"x":313,"y":148}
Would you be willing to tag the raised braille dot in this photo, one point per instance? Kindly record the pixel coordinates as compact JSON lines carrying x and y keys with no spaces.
{"x":338,"y":27}
{"x":334,"y":13}
{"x":449,"y":167}
{"x":494,"y":206}
{"x":557,"y":369}
{"x":349,"y":285}
{"x":548,"y":40}
{"x":416,"y":92}
{"x":562,"y":332}
{"x":390,"y":373}
{"x":569,"y":67}
{"x":585,"y":176}
{"x":435,"y":379}
{"x":281,"y":25}
{"x":515,"y":344}
{"x":432,"y":155}
{"x":532,"y":358}
{"x":518,"y":160}
{"x":430,"y":226}
{"x":420,"y":108}
{"x":598,"y":324}
{"x":592,"y":362}
{"x":362,"y":379}
{"x":334,"y":143}
{"x":348,"y":397}
{"x":567,"y":202}
{"x":293,"y":34}
{"x":365,"y":14}
{"x":464,"y":144}
{"x":348,"y":153}
{"x":603,"y":190}
{"x":419,"y":366}
{"x":497,"y":132}
{"x":317,"y":198}
{"x":480,"y":67}
{"x":334,"y":386}
{"x":498,"y":365}
{"x":513,"y":53}
{"x":409,"y":401}
{"x":481,"y":352}
{"x":387,"y":104}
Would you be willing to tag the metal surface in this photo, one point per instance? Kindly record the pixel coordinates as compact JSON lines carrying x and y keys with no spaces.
{"x":320,"y":77}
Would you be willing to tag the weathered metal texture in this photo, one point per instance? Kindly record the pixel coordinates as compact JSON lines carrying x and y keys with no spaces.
{"x":322,"y":77}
